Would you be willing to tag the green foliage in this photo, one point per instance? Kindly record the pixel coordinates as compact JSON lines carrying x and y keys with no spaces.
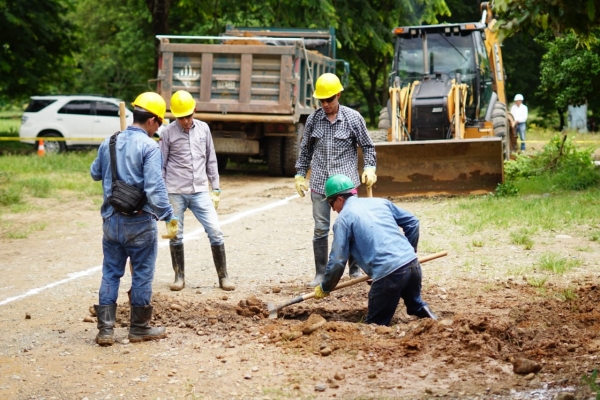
{"x":556,"y":263}
{"x":564,"y":166}
{"x":507,"y":189}
{"x":522,"y":238}
{"x":591,"y":382}
{"x":558,"y":16}
{"x":35,"y":46}
{"x":537,"y":282}
{"x":569,"y":72}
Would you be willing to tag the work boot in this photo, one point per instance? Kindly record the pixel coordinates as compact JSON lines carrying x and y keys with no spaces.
{"x":178,"y":261}
{"x":107,"y":316}
{"x":425,"y":312}
{"x":221,"y":266}
{"x":354,"y":270}
{"x":321,"y":251}
{"x":139,"y":330}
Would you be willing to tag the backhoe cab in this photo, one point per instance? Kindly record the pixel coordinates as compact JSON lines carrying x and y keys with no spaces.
{"x":448,"y":126}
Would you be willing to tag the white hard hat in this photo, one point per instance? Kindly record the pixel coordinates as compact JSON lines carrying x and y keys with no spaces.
{"x":519,"y":97}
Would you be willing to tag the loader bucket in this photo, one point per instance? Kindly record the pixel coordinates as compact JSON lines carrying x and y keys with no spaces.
{"x":437,"y":167}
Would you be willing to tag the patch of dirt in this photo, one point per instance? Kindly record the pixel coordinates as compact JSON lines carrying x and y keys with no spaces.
{"x":497,"y":337}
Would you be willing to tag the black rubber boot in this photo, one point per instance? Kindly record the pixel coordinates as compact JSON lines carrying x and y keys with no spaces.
{"x":321,"y":251}
{"x":178,"y":261}
{"x":107,"y":316}
{"x":221,"y":266}
{"x":354,"y":270}
{"x":139,"y":330}
{"x":425,"y":312}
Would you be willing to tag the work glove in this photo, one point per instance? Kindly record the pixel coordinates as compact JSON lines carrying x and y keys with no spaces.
{"x":320,"y":293}
{"x":301,"y":185}
{"x":368,"y":177}
{"x":171,"y":228}
{"x":214,"y":196}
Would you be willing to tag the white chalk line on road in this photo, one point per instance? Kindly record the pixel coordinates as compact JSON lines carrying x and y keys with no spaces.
{"x":191,"y":236}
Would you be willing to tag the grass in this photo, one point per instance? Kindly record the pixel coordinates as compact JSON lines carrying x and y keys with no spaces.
{"x":537,"y":281}
{"x":556,"y":263}
{"x":10,"y":122}
{"x":522,"y":238}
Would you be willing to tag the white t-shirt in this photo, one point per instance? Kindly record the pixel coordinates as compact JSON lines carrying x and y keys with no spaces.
{"x":519,"y":112}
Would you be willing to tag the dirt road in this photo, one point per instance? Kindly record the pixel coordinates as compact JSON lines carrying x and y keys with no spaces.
{"x":221,"y":346}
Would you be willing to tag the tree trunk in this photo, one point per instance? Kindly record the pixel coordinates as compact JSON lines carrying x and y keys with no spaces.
{"x":159,"y":9}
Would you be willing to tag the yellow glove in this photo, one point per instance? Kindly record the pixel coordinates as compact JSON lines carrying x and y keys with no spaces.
{"x":301,"y":185}
{"x":319,"y":293}
{"x":368,"y":177}
{"x":214,"y":196}
{"x":172,"y":228}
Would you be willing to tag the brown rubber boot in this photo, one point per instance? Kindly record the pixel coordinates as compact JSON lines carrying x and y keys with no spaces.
{"x":107,"y":316}
{"x":321,"y":252}
{"x":178,"y":261}
{"x":221,"y":266}
{"x":139,"y":330}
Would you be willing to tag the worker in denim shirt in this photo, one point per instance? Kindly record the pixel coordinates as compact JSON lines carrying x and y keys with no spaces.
{"x":367,"y":229}
{"x":133,"y":235}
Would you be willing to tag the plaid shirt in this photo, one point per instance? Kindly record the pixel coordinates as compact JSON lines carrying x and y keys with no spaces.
{"x":330,"y":148}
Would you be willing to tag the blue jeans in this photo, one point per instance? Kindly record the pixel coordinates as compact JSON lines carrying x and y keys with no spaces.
{"x":135,"y":237}
{"x":385,"y":294}
{"x":202,"y":207}
{"x":521,"y":132}
{"x":321,"y":215}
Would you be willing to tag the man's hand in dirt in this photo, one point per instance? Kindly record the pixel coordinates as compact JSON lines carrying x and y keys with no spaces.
{"x":214,"y":196}
{"x":301,"y":185}
{"x":172,"y":226}
{"x":320,"y":293}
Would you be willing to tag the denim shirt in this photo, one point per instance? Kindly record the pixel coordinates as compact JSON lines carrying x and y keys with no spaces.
{"x":367,"y":229}
{"x":139,"y":163}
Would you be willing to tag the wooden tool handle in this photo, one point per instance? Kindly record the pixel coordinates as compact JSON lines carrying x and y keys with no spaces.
{"x":122,"y":116}
{"x":369,"y":191}
{"x":366,"y":277}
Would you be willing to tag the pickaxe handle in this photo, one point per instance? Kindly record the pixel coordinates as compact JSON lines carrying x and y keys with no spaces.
{"x":342,"y":285}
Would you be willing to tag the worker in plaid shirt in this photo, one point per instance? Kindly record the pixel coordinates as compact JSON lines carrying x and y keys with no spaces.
{"x":329,"y":147}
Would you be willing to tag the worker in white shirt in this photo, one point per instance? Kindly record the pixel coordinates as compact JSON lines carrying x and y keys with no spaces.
{"x":519,"y":111}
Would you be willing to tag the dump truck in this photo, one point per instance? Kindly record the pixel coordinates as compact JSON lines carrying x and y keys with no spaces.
{"x":449,"y":130}
{"x":253,"y":86}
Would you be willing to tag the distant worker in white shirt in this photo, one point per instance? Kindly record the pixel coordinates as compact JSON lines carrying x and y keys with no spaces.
{"x":519,"y":111}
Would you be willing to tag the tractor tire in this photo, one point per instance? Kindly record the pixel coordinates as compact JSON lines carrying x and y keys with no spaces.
{"x":291,"y":151}
{"x":384,"y":119}
{"x":274,"y":161}
{"x":501,"y":127}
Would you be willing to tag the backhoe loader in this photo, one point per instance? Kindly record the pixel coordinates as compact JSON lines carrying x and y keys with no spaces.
{"x":449,"y":130}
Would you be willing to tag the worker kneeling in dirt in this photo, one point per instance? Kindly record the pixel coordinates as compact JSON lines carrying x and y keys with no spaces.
{"x":367,"y":229}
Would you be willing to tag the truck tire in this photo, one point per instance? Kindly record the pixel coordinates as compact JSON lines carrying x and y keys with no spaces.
{"x":501,"y":127}
{"x":222,"y":162}
{"x":274,"y":161}
{"x":384,"y":119}
{"x":52,"y":146}
{"x":291,"y":150}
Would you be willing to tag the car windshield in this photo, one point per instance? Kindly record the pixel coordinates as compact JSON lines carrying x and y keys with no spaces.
{"x":36,"y":105}
{"x":446,"y":54}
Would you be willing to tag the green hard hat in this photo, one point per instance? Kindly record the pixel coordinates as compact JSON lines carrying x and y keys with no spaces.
{"x":337,"y":184}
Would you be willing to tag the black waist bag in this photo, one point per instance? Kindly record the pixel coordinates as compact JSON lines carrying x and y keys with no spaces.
{"x":125,"y":198}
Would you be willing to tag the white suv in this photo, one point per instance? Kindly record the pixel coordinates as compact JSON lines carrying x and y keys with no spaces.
{"x":79,"y":120}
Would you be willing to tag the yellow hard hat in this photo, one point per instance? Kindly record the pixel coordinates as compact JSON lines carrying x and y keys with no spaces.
{"x":182,"y":104}
{"x":152,"y":102}
{"x":327,"y":85}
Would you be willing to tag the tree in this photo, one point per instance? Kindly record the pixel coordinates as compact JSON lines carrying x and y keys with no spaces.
{"x":36,"y":44}
{"x":117,"y":48}
{"x":559,"y":16}
{"x":569,"y":72}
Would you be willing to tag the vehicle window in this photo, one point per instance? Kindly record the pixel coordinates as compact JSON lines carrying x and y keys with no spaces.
{"x":107,"y":109}
{"x":410,"y":58}
{"x":38,"y":104}
{"x":80,"y":107}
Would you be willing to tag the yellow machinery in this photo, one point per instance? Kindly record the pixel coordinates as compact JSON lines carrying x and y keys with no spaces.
{"x":449,"y":130}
